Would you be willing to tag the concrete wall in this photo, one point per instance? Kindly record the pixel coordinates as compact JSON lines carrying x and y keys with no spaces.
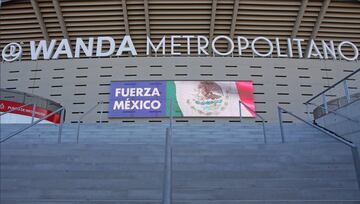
{"x":79,"y":83}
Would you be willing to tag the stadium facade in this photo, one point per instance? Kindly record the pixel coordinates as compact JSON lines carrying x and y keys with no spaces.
{"x":71,"y":52}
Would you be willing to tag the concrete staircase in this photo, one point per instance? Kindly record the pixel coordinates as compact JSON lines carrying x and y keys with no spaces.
{"x":212,"y":163}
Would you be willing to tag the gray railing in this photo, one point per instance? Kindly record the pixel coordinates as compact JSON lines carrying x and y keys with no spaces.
{"x":354,"y":149}
{"x":167,"y":185}
{"x":325,"y":102}
{"x":18,"y":108}
{"x":259,"y":116}
{"x":167,"y":182}
{"x":86,"y":113}
{"x":336,"y":113}
{"x":62,"y":114}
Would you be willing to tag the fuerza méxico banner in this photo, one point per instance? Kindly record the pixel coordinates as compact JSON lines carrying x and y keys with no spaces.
{"x":183,"y":98}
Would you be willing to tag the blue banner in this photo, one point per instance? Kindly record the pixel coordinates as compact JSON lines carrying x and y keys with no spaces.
{"x":137,"y":99}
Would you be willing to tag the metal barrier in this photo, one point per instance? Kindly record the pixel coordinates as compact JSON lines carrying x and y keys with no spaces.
{"x":62,"y":113}
{"x":262,"y":119}
{"x":167,"y":185}
{"x":167,"y":182}
{"x":84,"y":114}
{"x":325,"y":102}
{"x":336,"y":113}
{"x":354,"y":149}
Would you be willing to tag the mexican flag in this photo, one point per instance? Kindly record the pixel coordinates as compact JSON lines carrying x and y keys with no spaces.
{"x":210,"y":98}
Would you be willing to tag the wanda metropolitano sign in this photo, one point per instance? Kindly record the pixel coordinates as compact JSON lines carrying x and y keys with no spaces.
{"x":170,"y":46}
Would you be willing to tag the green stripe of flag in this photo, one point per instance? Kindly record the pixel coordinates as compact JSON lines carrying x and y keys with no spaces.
{"x":171,"y":97}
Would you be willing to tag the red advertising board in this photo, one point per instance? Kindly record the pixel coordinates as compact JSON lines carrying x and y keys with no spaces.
{"x":27,"y":110}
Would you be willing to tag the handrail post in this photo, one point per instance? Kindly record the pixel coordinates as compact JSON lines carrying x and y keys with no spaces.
{"x":62,"y":114}
{"x":167,"y":185}
{"x":356,"y":158}
{"x":346,"y":89}
{"x":83,"y":115}
{"x":325,"y":103}
{"x":263,"y":125}
{"x":257,"y":115}
{"x":101,"y":111}
{"x":33,"y":113}
{"x":171,"y":114}
{"x":240,"y":110}
{"x":281,"y":125}
{"x":77,"y":132}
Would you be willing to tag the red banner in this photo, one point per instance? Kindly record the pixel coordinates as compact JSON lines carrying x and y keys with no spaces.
{"x":27,"y":110}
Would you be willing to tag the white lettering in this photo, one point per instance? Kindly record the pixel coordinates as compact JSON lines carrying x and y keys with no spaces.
{"x":327,"y":48}
{"x":201,"y":48}
{"x":271,"y":48}
{"x":241,"y":48}
{"x":354,"y":48}
{"x":217,"y":51}
{"x":310,"y":52}
{"x":150,"y":44}
{"x":42,"y":47}
{"x":155,"y":104}
{"x":289,"y":45}
{"x":81,"y":45}
{"x":298,"y":44}
{"x":63,"y":48}
{"x":278,"y":48}
{"x":126,"y":45}
{"x":99,"y":52}
{"x":117,"y":92}
{"x":173,"y":45}
{"x":188,"y":37}
{"x":155,"y":92}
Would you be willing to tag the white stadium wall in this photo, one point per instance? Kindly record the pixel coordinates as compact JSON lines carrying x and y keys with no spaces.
{"x":78,"y":84}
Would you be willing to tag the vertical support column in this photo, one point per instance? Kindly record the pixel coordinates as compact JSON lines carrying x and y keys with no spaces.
{"x":171,"y":114}
{"x":33,"y":113}
{"x":325,"y":103}
{"x":346,"y":90}
{"x":355,"y":154}
{"x":264,"y":131}
{"x":281,"y":125}
{"x":167,"y":187}
{"x":240,"y":110}
{"x":78,"y":132}
{"x":62,"y":114}
{"x":101,"y":111}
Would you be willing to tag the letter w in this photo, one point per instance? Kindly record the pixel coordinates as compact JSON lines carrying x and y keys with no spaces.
{"x":47,"y":51}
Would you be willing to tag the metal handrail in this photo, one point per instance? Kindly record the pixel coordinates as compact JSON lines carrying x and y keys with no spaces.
{"x":167,"y":182}
{"x":86,"y":113}
{"x":332,"y":86}
{"x":38,"y":121}
{"x":262,"y":119}
{"x":339,"y":114}
{"x":354,"y":149}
